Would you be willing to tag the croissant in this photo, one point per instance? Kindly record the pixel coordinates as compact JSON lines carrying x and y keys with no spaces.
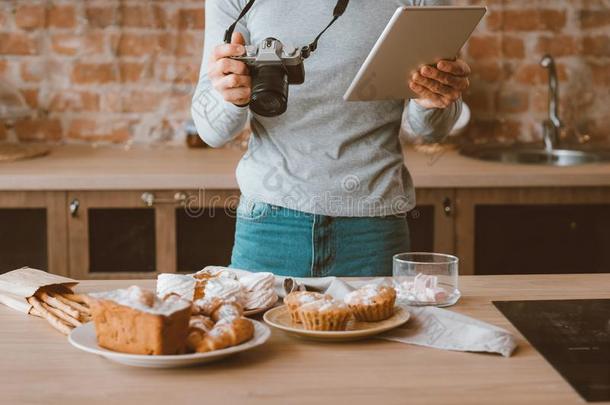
{"x":224,"y":334}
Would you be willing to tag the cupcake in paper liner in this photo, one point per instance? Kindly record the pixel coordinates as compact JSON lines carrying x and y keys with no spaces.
{"x":325,"y":315}
{"x":372,"y":303}
{"x":295,"y":299}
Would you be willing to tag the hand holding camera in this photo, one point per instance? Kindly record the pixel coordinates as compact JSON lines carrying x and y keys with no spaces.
{"x":230,"y":77}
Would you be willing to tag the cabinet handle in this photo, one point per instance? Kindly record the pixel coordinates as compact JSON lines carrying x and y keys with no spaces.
{"x":448,"y":206}
{"x":74,"y":206}
{"x":149,"y":199}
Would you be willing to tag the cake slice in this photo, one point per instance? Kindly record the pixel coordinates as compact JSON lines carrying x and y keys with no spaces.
{"x":136,"y":321}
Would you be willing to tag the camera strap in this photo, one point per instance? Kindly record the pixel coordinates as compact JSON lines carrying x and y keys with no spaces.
{"x":340,"y":8}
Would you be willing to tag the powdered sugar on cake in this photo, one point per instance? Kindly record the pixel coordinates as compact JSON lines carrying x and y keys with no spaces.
{"x":144,"y":300}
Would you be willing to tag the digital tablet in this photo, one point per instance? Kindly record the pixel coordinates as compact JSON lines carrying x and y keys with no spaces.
{"x":415,"y":36}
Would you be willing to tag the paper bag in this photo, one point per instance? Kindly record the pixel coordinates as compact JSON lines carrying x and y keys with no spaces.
{"x":18,"y":285}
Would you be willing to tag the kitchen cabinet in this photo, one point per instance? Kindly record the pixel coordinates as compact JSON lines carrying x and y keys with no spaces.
{"x":138,"y":234}
{"x":33,"y":231}
{"x":536,"y":230}
{"x":432,"y":221}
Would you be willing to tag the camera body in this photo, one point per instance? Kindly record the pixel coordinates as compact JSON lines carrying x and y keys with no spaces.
{"x":273,"y":67}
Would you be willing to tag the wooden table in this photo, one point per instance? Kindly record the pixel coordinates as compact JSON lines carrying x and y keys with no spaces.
{"x":39,"y":366}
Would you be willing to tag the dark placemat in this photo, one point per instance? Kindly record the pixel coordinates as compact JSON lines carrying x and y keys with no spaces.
{"x":572,"y":335}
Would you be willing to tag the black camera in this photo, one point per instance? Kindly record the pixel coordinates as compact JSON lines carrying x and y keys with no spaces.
{"x":273,"y":67}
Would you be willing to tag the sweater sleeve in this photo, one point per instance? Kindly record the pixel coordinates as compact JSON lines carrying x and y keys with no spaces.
{"x":217,"y":120}
{"x":432,"y":124}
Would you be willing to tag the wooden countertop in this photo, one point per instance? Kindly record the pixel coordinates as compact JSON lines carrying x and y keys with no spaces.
{"x":83,"y":167}
{"x":39,"y":365}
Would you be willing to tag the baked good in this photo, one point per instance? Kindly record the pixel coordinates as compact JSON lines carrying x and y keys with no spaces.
{"x":225,"y":333}
{"x":259,"y":290}
{"x":295,"y":299}
{"x":225,"y":288}
{"x":210,"y":272}
{"x":372,"y":303}
{"x":217,"y":309}
{"x":136,"y":321}
{"x":186,"y":286}
{"x":325,"y":315}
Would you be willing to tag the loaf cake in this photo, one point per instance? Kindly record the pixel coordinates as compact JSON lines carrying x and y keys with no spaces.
{"x":136,"y":321}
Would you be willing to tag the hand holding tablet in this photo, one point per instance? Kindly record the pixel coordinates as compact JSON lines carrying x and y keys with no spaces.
{"x":415,"y":37}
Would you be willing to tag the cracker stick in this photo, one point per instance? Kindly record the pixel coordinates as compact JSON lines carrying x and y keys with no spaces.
{"x":46,"y":298}
{"x":34,"y":312}
{"x":75,"y":305}
{"x":52,"y":319}
{"x":80,"y":298}
{"x":61,"y":315}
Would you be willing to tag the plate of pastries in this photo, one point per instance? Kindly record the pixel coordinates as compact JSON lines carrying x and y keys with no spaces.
{"x":181,"y":324}
{"x":362,"y":313}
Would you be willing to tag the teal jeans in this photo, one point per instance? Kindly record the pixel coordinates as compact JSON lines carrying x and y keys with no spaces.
{"x":293,"y":243}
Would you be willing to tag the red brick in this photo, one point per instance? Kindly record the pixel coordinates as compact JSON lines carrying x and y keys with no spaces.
{"x":32,"y":71}
{"x":513,"y":48}
{"x":17,"y":44}
{"x":190,"y":45}
{"x":74,"y":101}
{"x":133,"y":72}
{"x":597,"y":45}
{"x":38,"y":129}
{"x":62,"y":16}
{"x":496,"y":128}
{"x":101,"y":17}
{"x":137,"y":45}
{"x":30,"y":96}
{"x":558,"y":45}
{"x":142,"y":101}
{"x":487,"y":71}
{"x":478,"y":100}
{"x":600,"y":73}
{"x":193,"y":18}
{"x":528,"y":20}
{"x":139,"y":16}
{"x":30,"y":17}
{"x":3,"y":67}
{"x":93,"y":73}
{"x":594,"y":18}
{"x":73,"y":44}
{"x":509,"y":101}
{"x":3,"y":132}
{"x":99,"y":130}
{"x":178,"y":72}
{"x":484,"y":47}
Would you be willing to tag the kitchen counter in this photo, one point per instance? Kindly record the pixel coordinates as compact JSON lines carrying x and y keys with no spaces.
{"x":41,"y":367}
{"x":83,"y":167}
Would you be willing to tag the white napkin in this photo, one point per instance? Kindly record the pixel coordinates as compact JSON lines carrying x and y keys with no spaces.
{"x":429,"y":326}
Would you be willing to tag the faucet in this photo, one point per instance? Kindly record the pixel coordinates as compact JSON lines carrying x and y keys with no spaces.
{"x":552,"y":126}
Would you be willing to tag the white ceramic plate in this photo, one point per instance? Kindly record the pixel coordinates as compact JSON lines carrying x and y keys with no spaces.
{"x":83,"y":338}
{"x":280,"y":318}
{"x":250,"y":312}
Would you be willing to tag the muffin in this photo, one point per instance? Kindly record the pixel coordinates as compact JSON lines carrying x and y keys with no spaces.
{"x":297,"y":298}
{"x":372,"y":303}
{"x":325,"y":315}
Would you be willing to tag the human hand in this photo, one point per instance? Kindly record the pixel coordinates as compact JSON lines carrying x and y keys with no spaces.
{"x":230,"y":77}
{"x":441,"y":85}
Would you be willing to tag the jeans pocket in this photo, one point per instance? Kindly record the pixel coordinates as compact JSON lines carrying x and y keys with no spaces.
{"x":252,"y":210}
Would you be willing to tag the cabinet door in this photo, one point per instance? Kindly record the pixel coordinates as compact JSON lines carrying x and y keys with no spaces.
{"x":33,"y":231}
{"x":431,"y":222}
{"x":116,"y":234}
{"x":205,"y":229}
{"x":538,"y":231}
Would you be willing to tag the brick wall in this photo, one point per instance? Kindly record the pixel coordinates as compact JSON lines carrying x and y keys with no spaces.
{"x":123,"y":71}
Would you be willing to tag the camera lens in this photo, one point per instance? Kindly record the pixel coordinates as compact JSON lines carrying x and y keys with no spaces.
{"x":269,"y":91}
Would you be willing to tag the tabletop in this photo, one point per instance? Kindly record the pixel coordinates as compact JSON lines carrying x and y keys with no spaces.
{"x":82,"y":167}
{"x":39,"y":365}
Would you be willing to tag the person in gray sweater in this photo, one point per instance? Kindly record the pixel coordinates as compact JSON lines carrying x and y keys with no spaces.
{"x":324,"y":187}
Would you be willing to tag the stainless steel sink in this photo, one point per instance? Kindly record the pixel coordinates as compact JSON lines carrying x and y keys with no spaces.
{"x":556,"y":157}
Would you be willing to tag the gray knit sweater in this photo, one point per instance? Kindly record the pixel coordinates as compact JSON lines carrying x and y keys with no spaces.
{"x":324,"y":155}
